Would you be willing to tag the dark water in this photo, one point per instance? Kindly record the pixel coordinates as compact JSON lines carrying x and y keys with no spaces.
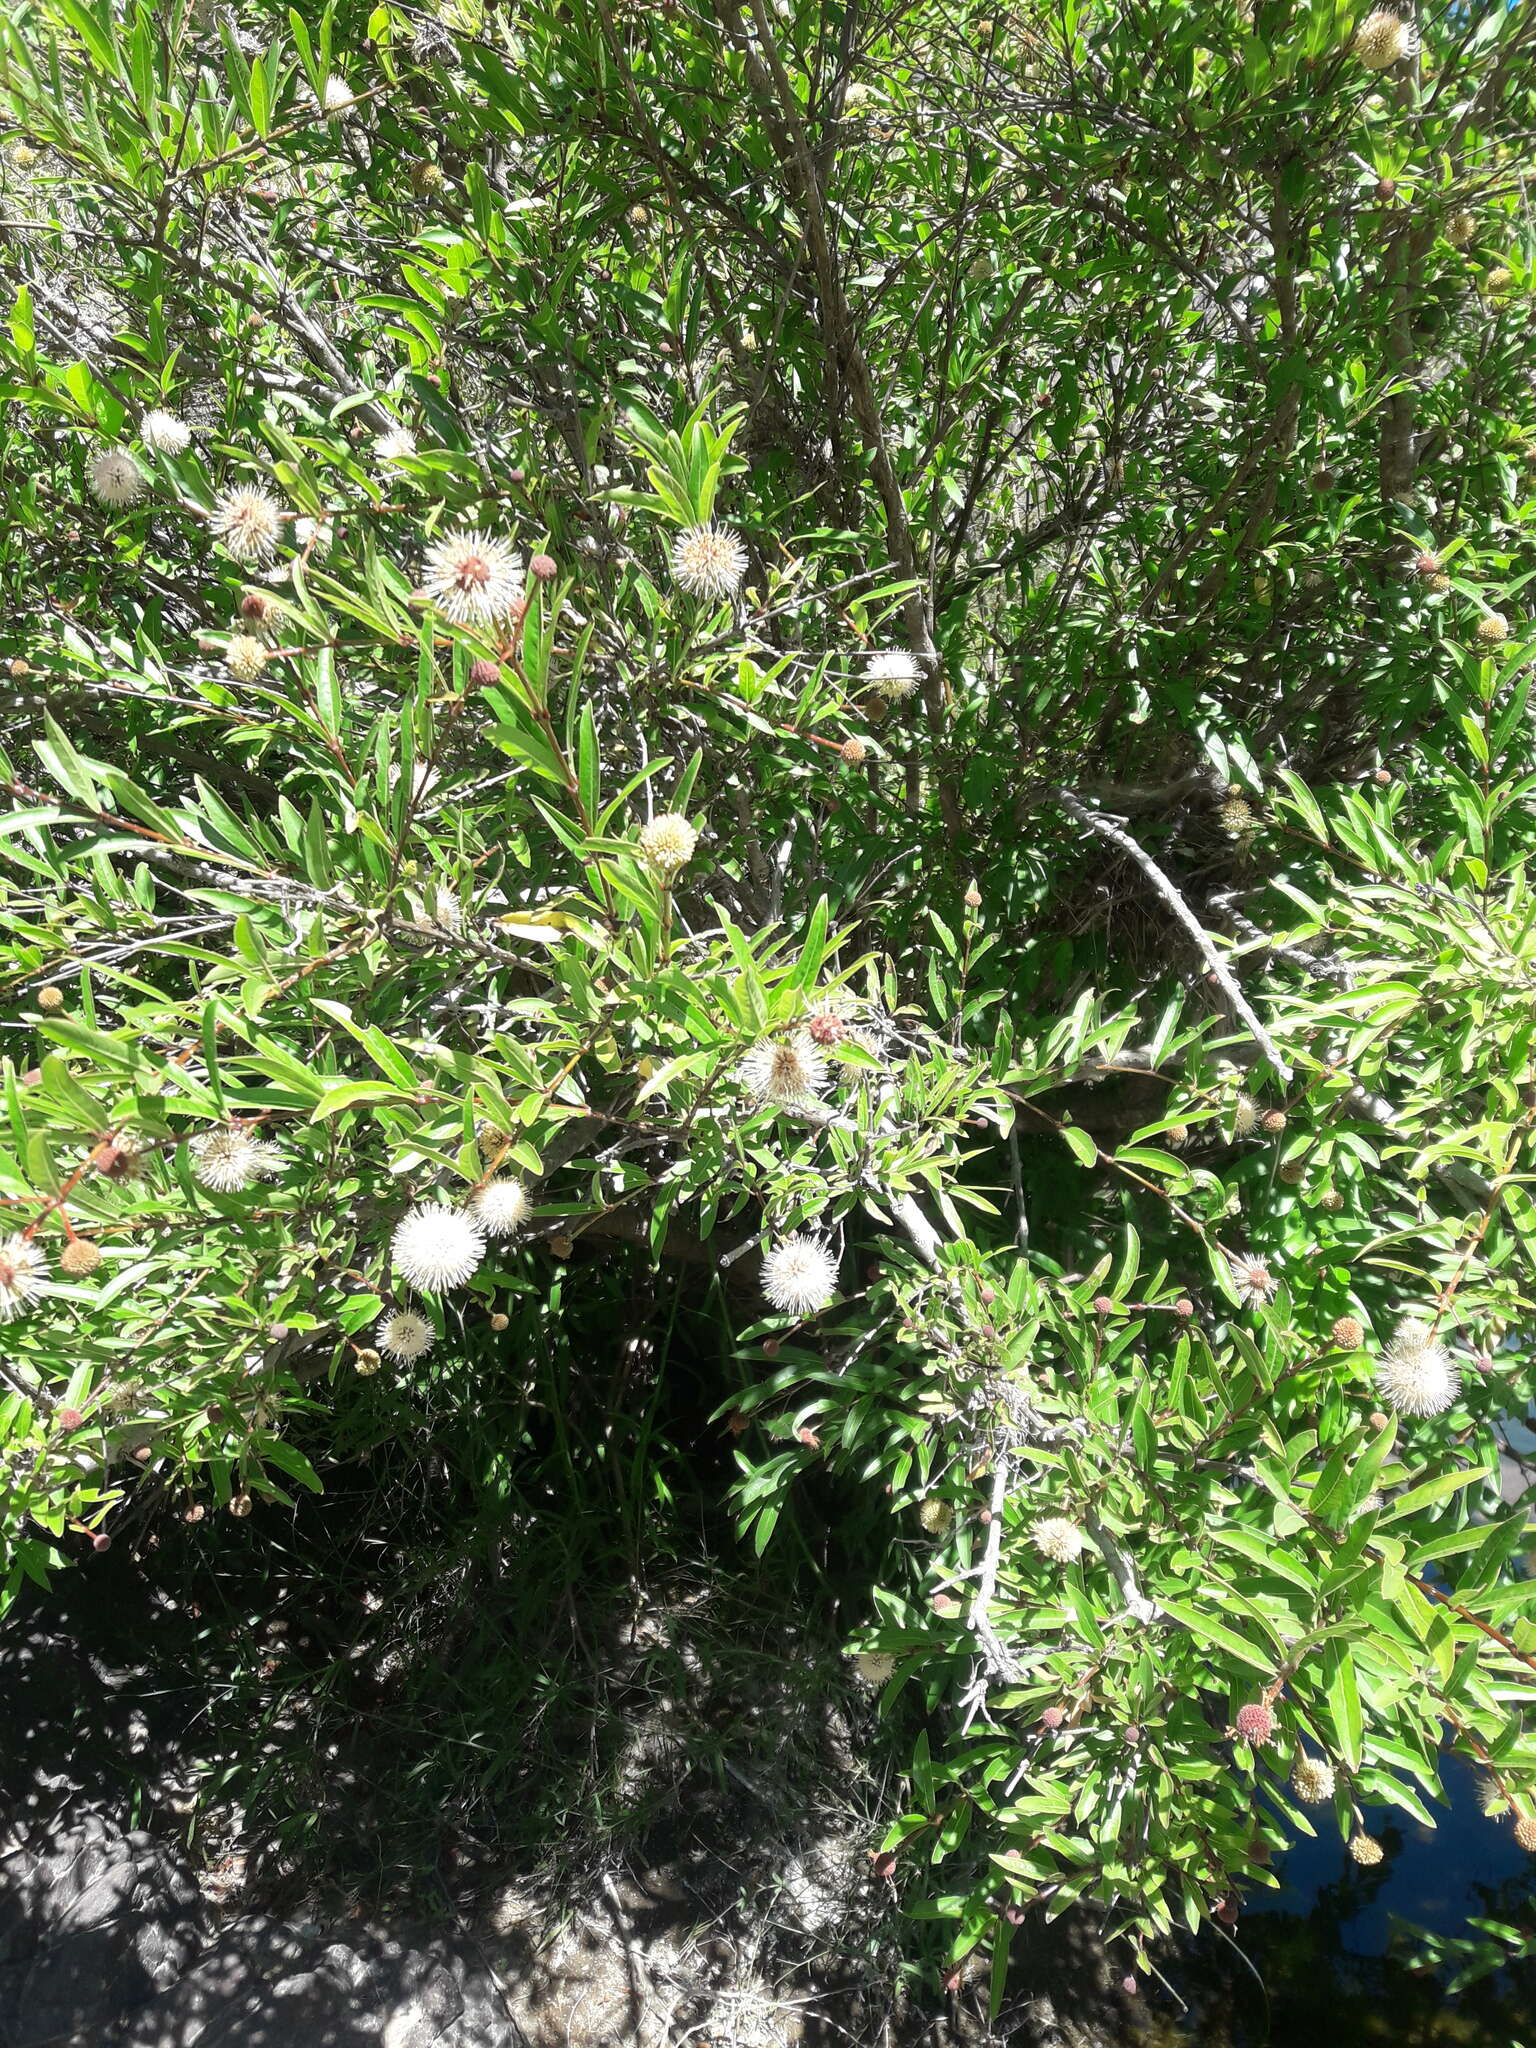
{"x":1341,"y":1955}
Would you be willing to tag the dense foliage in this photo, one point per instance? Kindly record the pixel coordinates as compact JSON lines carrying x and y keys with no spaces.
{"x":871,"y":655}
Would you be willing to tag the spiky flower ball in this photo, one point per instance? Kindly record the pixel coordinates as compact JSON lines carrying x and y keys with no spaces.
{"x":709,"y":561}
{"x":1236,"y":818}
{"x":338,"y":96}
{"x":116,"y":479}
{"x":789,"y":1072}
{"x":1245,"y":1116}
{"x":667,"y":843}
{"x":1312,"y":1780}
{"x":395,"y":446}
{"x":473,"y":578}
{"x":935,"y":1515}
{"x":249,"y":522}
{"x":164,"y":434}
{"x":23,"y":1276}
{"x":1492,"y":629}
{"x":1348,"y":1333}
{"x":1425,"y":566}
{"x":1492,"y":1800}
{"x":1384,"y":39}
{"x":406,"y":1335}
{"x":50,"y":1000}
{"x":79,"y":1258}
{"x":873,"y":1667}
{"x":434,"y":1247}
{"x":501,"y":1207}
{"x":1365,"y":1850}
{"x":1416,"y":1375}
{"x":1460,"y":229}
{"x":1525,"y":1832}
{"x":245,"y":657}
{"x":893,"y":673}
{"x":231,"y":1159}
{"x":366,"y":1362}
{"x":1498,"y":281}
{"x":1252,"y":1278}
{"x":1058,"y":1539}
{"x":1255,"y":1723}
{"x":799,"y":1275}
{"x":853,"y":751}
{"x":426,"y":178}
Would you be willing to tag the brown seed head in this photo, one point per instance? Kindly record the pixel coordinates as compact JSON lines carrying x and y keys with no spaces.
{"x":240,"y":1505}
{"x":500,"y":1322}
{"x":562,"y":1246}
{"x":853,"y":751}
{"x":50,"y":1000}
{"x":1348,"y":1333}
{"x":1272,"y":1122}
{"x":79,"y":1257}
{"x":482,"y":674}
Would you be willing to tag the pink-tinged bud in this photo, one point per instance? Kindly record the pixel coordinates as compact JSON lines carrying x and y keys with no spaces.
{"x":827,"y":1028}
{"x":254,"y":606}
{"x":544,"y":567}
{"x":1053,"y":1717}
{"x":518,"y":476}
{"x":853,"y":751}
{"x":883,"y":1863}
{"x":770,"y":1347}
{"x":101,"y":1541}
{"x":988,"y":1296}
{"x":1013,"y":1913}
{"x":1102,"y":1305}
{"x":69,"y":1420}
{"x":1255,"y":1723}
{"x":1426,"y":565}
{"x":1184,"y":1307}
{"x":482,"y":674}
{"x":1226,"y":1912}
{"x":1128,"y":1985}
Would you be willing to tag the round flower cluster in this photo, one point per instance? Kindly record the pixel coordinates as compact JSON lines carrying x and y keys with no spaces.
{"x":395,"y":446}
{"x":1416,"y":1375}
{"x":789,"y":1072}
{"x":1312,"y":1780}
{"x":1365,"y":1850}
{"x":164,"y":434}
{"x":709,"y":561}
{"x":501,"y":1207}
{"x":935,"y":1515}
{"x":245,"y":657}
{"x":406,"y":1335}
{"x":231,"y":1159}
{"x":249,"y":522}
{"x":473,"y":578}
{"x":1058,"y":1539}
{"x":873,"y":1667}
{"x":436,"y":1247}
{"x":1384,"y":39}
{"x":1255,"y":1723}
{"x":1348,"y":1333}
{"x":892,"y":674}
{"x":23,"y":1276}
{"x":1492,"y":629}
{"x":667,"y":843}
{"x":116,"y":479}
{"x":799,"y":1275}
{"x":1252,"y":1278}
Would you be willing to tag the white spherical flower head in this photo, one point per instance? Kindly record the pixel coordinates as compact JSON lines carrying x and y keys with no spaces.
{"x":800,"y":1275}
{"x":501,"y":1207}
{"x":1384,"y":39}
{"x":873,"y":1667}
{"x":164,"y":434}
{"x":473,"y":578}
{"x":23,"y":1276}
{"x":709,"y":561}
{"x":1252,"y":1278}
{"x":1416,"y":1375}
{"x":230,"y":1160}
{"x":338,"y":95}
{"x":406,"y":1335}
{"x":116,"y":479}
{"x":1365,"y":1850}
{"x":1058,"y":1539}
{"x":245,"y":657}
{"x":248,"y":522}
{"x":893,"y":674}
{"x":667,"y":843}
{"x":314,"y":536}
{"x":434,"y":1247}
{"x":1312,"y":1780}
{"x":395,"y":446}
{"x":789,"y":1072}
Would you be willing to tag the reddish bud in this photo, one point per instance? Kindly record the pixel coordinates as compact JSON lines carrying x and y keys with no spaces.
{"x":1386,"y":188}
{"x":1102,"y":1305}
{"x":1184,"y":1306}
{"x":1255,"y":1722}
{"x":482,"y":674}
{"x":810,"y":1439}
{"x":1013,"y":1913}
{"x":826,"y":1028}
{"x":544,"y":567}
{"x":883,"y":1863}
{"x":1053,"y":1717}
{"x":101,"y":1541}
{"x":69,"y":1420}
{"x":1128,"y":1985}
{"x":770,"y":1347}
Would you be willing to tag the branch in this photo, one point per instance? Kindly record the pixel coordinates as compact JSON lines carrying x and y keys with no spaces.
{"x":1137,"y":1605}
{"x":1094,"y":821}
